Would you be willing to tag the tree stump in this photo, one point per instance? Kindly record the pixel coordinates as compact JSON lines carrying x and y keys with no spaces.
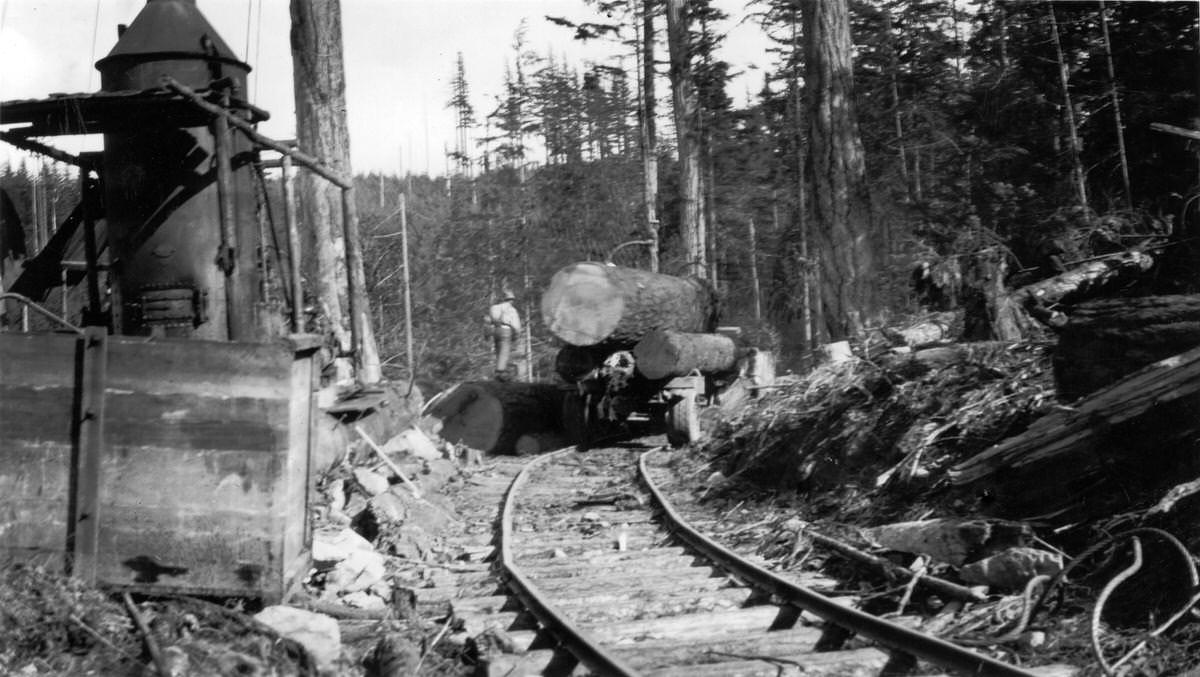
{"x":593,"y":303}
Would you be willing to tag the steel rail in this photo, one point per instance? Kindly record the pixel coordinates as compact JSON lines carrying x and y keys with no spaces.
{"x":575,"y":640}
{"x":937,"y":651}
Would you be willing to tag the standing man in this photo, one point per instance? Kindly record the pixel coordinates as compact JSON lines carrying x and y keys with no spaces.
{"x":504,"y":324}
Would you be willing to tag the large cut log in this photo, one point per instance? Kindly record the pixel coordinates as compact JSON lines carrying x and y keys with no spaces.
{"x":1081,"y":282}
{"x":1107,"y":339}
{"x":591,"y":303}
{"x":1138,"y":432}
{"x":663,"y":354}
{"x":491,"y":416}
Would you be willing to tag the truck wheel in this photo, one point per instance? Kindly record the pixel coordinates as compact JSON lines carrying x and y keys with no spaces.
{"x":683,"y":421}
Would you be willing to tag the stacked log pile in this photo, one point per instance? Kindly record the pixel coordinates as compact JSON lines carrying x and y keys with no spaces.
{"x":664,"y":322}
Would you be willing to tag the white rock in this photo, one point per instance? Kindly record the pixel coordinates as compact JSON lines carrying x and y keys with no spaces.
{"x":317,"y":633}
{"x":332,"y":546}
{"x":359,"y":571}
{"x":413,"y":441}
{"x":371,"y":482}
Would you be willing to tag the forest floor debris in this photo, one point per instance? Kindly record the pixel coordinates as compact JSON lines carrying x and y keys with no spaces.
{"x":867,"y":443}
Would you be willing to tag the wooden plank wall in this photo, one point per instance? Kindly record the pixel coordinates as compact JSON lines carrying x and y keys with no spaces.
{"x":203,"y":476}
{"x":38,"y":399}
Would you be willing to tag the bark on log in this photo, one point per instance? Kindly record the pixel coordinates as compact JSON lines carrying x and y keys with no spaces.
{"x":1080,"y":282}
{"x":936,"y":328}
{"x":1105,"y":340}
{"x":938,"y":357}
{"x":592,"y":303}
{"x":491,"y":416}
{"x":1139,"y":432}
{"x":663,"y":354}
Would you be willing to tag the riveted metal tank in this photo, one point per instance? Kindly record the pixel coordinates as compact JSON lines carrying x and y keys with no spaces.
{"x":160,"y":185}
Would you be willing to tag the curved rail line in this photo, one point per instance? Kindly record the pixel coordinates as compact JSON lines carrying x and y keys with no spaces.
{"x":580,"y":641}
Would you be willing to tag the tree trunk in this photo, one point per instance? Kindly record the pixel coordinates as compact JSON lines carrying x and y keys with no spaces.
{"x":649,"y":132}
{"x":755,"y":284}
{"x":1123,"y":443}
{"x":687,"y":126}
{"x":1116,"y":103}
{"x":1069,"y":111}
{"x":320,"y":94}
{"x":1105,"y":340}
{"x":844,"y":218}
{"x":663,"y":354}
{"x":492,"y":416}
{"x":591,"y":303}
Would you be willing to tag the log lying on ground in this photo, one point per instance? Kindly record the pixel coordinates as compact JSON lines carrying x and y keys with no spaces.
{"x":1080,"y":282}
{"x":663,"y":354}
{"x":1140,"y":430}
{"x":491,"y":416}
{"x":938,"y":357}
{"x":935,"y":328}
{"x":953,"y":541}
{"x":1107,"y":339}
{"x":591,"y":303}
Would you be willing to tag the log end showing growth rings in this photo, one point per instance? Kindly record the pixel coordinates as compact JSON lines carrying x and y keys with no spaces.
{"x":582,"y":305}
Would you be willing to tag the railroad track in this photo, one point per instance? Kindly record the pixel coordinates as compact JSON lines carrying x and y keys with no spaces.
{"x":599,"y":575}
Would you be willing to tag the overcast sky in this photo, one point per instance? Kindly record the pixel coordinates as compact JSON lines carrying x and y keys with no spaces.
{"x":399,"y":57}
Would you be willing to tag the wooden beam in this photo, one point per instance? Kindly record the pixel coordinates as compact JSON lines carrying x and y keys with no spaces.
{"x":85,"y":528}
{"x":38,"y":147}
{"x":301,"y":158}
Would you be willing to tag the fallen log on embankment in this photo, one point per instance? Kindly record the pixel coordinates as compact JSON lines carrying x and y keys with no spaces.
{"x":1131,"y":438}
{"x":1105,"y":340}
{"x":594,"y":303}
{"x":494,"y":416}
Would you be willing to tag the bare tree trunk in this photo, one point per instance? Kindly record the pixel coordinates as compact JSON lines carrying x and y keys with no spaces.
{"x":649,"y":132}
{"x":894,"y":67}
{"x":1116,"y":103}
{"x":1076,"y":164}
{"x":687,"y":108}
{"x":845,"y":222}
{"x":756,"y":287}
{"x":809,"y":273}
{"x":320,"y":93}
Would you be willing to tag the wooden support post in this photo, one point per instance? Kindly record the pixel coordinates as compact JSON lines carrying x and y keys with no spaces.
{"x":86,"y":189}
{"x":85,"y":526}
{"x":226,"y":255}
{"x":293,"y":244}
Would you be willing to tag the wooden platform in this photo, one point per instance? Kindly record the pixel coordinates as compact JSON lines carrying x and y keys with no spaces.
{"x":157,"y":465}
